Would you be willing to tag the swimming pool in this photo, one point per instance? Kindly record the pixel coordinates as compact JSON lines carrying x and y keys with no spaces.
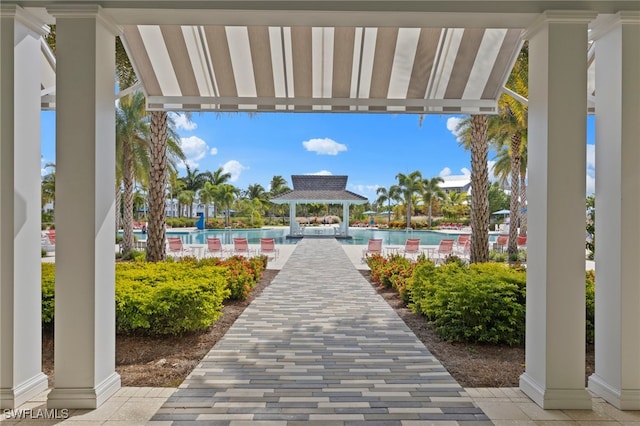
{"x":359,"y":236}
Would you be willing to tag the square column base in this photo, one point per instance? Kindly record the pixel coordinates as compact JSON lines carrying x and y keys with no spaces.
{"x":555,"y":399}
{"x":622,"y":399}
{"x":84,"y":398}
{"x":13,"y":398}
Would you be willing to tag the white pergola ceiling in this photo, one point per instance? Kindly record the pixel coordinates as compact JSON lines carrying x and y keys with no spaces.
{"x":305,"y":68}
{"x":427,"y":56}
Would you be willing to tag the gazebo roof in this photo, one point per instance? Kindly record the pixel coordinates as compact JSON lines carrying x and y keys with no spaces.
{"x":319,"y":189}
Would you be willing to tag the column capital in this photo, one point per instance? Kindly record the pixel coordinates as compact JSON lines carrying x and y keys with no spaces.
{"x":25,"y":18}
{"x":86,"y":11}
{"x":606,"y":23}
{"x":559,"y":17}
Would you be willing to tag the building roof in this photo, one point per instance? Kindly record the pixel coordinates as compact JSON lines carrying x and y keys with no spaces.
{"x":319,"y":189}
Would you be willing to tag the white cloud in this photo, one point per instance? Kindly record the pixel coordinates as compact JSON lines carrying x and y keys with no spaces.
{"x":194,"y":150}
{"x":445,"y":172}
{"x":324,"y":146}
{"x":234,"y":168}
{"x":364,"y":189}
{"x":182,"y":121}
{"x":452,"y":124}
{"x":214,"y":151}
{"x":465,"y":172}
{"x":321,"y":173}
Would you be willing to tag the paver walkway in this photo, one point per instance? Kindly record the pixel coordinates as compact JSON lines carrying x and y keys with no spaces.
{"x":319,"y":346}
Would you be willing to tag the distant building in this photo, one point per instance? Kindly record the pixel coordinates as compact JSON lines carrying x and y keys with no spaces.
{"x":456,"y":184}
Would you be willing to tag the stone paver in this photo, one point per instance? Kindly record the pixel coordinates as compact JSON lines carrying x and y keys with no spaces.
{"x":319,"y":346}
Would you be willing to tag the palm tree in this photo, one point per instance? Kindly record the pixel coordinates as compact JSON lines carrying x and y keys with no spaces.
{"x":473,"y":137}
{"x":132,"y":148}
{"x":455,"y":204}
{"x":278,"y":185}
{"x":256,"y":192}
{"x":163,"y":150}
{"x":193,"y":181}
{"x":431,"y":191}
{"x":409,"y":185}
{"x":186,"y":198}
{"x":48,"y":186}
{"x":175,"y":186}
{"x":207,"y":196}
{"x":226,"y":195}
{"x":511,"y":125}
{"x":218,"y":177}
{"x":387,"y":196}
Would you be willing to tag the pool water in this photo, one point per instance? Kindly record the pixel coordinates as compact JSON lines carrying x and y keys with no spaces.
{"x":359,"y":236}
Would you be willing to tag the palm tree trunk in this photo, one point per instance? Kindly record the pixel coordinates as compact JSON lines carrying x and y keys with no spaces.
{"x":479,"y":190}
{"x":523,"y":204}
{"x":408,"y":212}
{"x":118,"y":205}
{"x":157,"y":188}
{"x":514,"y":206}
{"x":127,"y":178}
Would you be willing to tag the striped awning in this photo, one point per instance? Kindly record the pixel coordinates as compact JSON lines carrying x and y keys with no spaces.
{"x":305,"y":68}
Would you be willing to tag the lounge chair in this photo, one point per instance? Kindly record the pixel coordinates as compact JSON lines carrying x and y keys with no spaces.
{"x":374,"y":246}
{"x":411,"y":247}
{"x":522,"y":241}
{"x":268,"y":248}
{"x":241,"y":247}
{"x":501,"y":243}
{"x":461,"y":241}
{"x":48,"y":241}
{"x":465,"y":253}
{"x":444,"y":250}
{"x":214,"y":247}
{"x":176,"y":248}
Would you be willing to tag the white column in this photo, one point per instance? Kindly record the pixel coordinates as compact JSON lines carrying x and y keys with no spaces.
{"x":85,"y":223}
{"x":293,"y":226}
{"x":617,"y":346}
{"x":555,"y":320}
{"x":345,"y":219}
{"x":21,"y":375}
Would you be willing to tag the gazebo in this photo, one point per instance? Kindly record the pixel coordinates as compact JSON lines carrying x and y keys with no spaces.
{"x":322,"y":189}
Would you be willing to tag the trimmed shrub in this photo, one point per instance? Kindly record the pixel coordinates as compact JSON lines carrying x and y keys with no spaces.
{"x":168,"y":298}
{"x":591,"y":295}
{"x":480,"y":303}
{"x":48,"y":292}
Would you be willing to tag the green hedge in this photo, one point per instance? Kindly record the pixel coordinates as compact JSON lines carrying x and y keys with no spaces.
{"x":169,"y":297}
{"x":48,"y":292}
{"x":480,"y":303}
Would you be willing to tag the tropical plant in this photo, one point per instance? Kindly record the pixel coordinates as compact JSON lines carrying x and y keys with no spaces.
{"x":498,"y":199}
{"x":456,"y":205}
{"x":207,"y":196}
{"x":409,"y":185}
{"x":431,"y":192}
{"x":48,"y":186}
{"x":591,"y":226}
{"x":132,"y":151}
{"x":226,"y":195}
{"x":509,"y":128}
{"x":278,"y":185}
{"x":387,"y":196}
{"x":218,"y":177}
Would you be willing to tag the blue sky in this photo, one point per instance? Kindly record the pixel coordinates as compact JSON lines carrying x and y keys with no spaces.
{"x":370,"y":148}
